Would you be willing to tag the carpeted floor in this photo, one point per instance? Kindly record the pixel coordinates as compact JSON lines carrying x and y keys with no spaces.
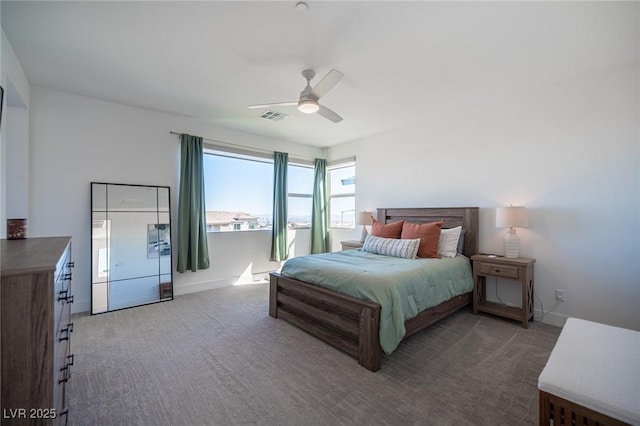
{"x":217,"y":358}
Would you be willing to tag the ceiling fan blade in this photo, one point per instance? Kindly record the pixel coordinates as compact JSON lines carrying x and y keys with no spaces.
{"x":327,"y":83}
{"x":328,"y":114}
{"x":293,"y":103}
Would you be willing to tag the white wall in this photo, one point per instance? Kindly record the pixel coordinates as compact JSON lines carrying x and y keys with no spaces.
{"x":17,"y":169}
{"x":569,"y":152}
{"x":76,"y":140}
{"x":14,"y":137}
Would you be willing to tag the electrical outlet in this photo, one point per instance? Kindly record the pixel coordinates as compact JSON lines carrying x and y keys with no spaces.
{"x":559,"y":295}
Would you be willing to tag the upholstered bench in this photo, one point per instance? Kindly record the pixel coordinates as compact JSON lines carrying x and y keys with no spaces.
{"x":592,"y":376}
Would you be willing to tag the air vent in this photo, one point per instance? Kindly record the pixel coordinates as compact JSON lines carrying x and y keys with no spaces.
{"x":273,"y":115}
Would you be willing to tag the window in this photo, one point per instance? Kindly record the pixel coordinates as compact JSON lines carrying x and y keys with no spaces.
{"x":300,"y":196}
{"x":238,"y":192}
{"x":342,"y":195}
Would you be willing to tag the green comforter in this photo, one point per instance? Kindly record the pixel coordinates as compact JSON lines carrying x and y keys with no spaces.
{"x":402,"y":287}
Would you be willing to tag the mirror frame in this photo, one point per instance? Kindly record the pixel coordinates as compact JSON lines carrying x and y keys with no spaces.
{"x":165,"y":289}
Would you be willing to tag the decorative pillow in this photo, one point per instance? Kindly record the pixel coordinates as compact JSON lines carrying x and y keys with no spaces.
{"x":390,"y":230}
{"x":448,"y":244}
{"x":391,"y":246}
{"x":429,"y":234}
{"x":461,"y":242}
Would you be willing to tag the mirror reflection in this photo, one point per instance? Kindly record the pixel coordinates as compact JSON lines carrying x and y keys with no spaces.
{"x":130,"y":245}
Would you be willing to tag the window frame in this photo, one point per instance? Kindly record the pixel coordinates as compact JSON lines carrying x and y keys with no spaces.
{"x":246,"y":156}
{"x":264,"y":158}
{"x":302,"y":195}
{"x":336,"y":166}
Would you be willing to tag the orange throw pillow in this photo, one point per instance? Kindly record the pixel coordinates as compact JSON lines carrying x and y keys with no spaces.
{"x":391,"y":230}
{"x":429,"y":234}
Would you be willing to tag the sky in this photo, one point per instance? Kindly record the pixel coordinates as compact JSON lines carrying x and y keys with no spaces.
{"x":244,"y":185}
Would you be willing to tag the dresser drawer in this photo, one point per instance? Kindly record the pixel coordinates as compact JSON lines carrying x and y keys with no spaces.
{"x":62,"y":300}
{"x":60,"y":405}
{"x":64,"y":329}
{"x":64,"y":264}
{"x":63,"y":366}
{"x":62,"y":374}
{"x":499,"y":270}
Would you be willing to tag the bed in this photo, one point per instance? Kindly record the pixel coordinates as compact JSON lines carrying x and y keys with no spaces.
{"x":352,"y":324}
{"x":591,"y":377}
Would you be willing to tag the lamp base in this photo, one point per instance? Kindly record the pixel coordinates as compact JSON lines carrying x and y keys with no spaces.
{"x":511,"y":244}
{"x":363,"y":234}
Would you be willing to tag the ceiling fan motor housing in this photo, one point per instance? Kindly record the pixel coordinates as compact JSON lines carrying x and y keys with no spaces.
{"x":308,"y":105}
{"x":308,"y":74}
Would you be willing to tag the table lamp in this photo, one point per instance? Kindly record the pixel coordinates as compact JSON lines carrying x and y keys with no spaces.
{"x":364,"y":218}
{"x":511,"y":217}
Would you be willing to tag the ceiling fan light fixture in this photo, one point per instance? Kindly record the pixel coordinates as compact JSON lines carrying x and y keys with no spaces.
{"x":308,"y":106}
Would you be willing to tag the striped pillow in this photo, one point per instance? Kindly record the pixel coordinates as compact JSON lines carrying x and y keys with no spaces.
{"x":392,"y":246}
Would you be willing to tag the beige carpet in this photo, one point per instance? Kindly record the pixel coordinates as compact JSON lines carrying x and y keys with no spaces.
{"x":217,"y":358}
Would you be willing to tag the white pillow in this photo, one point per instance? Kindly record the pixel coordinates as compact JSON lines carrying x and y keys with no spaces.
{"x":448,"y":243}
{"x":407,"y":249}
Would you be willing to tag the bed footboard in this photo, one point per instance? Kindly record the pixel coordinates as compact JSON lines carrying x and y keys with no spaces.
{"x":345,"y":322}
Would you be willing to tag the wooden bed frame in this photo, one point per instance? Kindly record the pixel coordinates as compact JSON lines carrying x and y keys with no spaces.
{"x":558,"y":411}
{"x":351,"y":324}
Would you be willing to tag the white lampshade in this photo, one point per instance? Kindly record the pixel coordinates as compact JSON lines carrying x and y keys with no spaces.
{"x":364,"y":218}
{"x":511,"y":217}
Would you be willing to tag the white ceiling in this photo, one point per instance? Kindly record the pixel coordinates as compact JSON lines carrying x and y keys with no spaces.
{"x":404,"y":62}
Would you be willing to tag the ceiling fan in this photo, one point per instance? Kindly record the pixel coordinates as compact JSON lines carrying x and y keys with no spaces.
{"x":308,"y":102}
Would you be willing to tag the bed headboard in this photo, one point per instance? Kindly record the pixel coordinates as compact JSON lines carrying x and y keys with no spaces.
{"x":467,"y":217}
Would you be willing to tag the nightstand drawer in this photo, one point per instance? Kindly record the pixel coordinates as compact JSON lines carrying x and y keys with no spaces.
{"x":351,"y":245}
{"x":499,"y":270}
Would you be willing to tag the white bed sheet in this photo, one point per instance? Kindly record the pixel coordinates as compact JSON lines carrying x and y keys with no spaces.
{"x":596,"y":366}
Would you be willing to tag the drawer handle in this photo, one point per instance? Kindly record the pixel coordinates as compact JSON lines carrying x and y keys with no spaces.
{"x":497,"y":270}
{"x":71,"y":265}
{"x":71,"y":357}
{"x":66,"y":277}
{"x":63,"y":295}
{"x":64,"y":413}
{"x":65,"y":334}
{"x":66,"y":374}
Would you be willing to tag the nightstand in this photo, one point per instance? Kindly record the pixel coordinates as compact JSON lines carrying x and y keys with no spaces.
{"x":516,"y":269}
{"x":351,"y":245}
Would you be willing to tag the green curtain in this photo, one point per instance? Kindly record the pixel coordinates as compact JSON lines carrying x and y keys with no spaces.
{"x":193,"y":250}
{"x":279,"y":246}
{"x":320,"y":210}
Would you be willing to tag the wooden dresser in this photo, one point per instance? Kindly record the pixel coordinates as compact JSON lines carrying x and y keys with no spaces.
{"x":35,"y":299}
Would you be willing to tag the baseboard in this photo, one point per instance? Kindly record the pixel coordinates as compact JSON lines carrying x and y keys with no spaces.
{"x":225,"y":282}
{"x":80,"y":306}
{"x":552,"y":318}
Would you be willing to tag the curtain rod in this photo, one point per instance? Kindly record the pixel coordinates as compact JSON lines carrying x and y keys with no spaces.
{"x":247,"y":147}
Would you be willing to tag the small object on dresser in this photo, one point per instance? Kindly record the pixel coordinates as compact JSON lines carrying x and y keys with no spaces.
{"x":16,"y":229}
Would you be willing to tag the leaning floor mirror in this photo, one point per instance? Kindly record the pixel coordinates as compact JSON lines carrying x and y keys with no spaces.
{"x":130,"y":246}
